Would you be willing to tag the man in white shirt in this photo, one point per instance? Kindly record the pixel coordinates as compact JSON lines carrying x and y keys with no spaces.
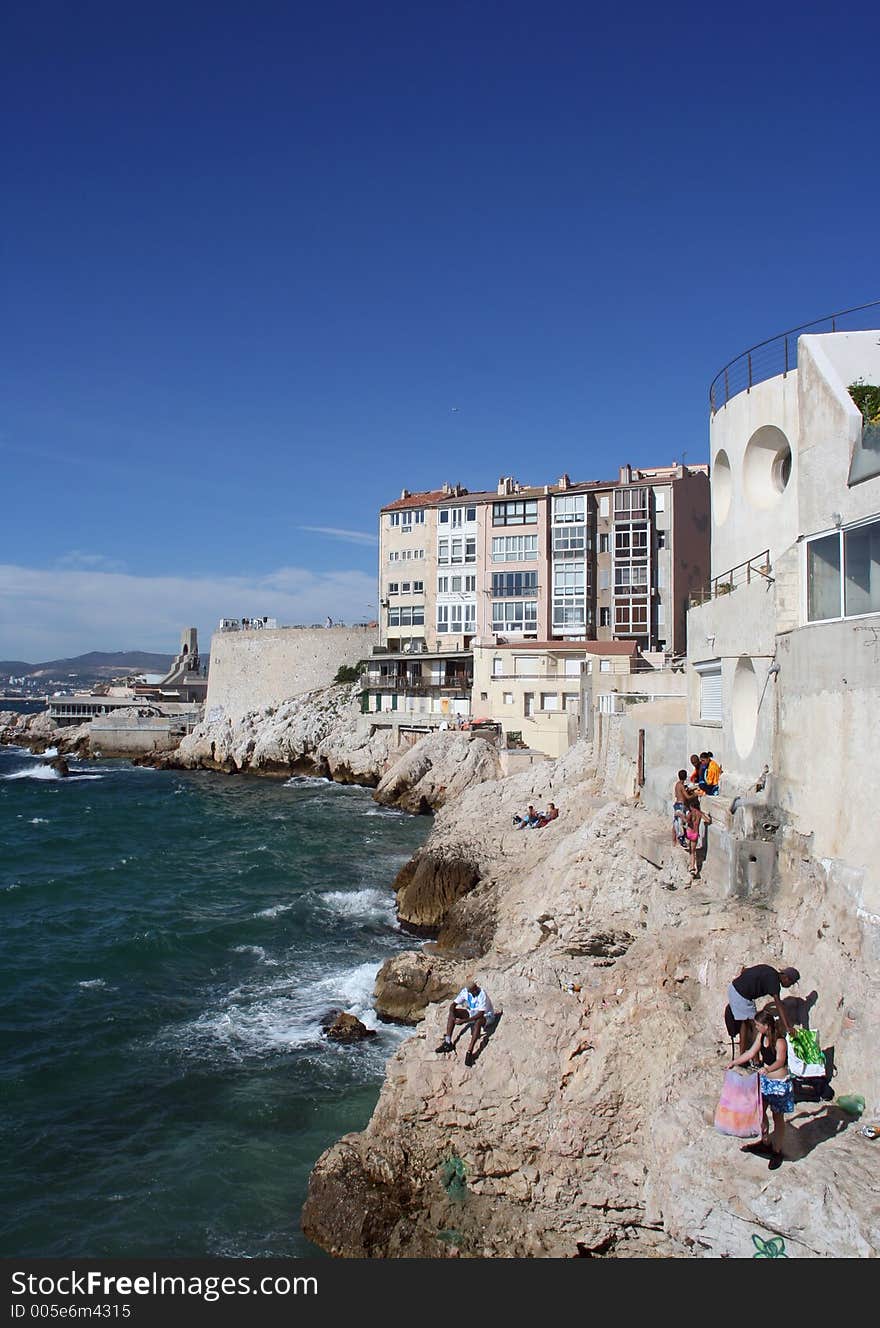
{"x":471,"y":1006}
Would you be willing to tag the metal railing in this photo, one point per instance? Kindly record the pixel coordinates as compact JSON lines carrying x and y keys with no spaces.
{"x":757,"y":568}
{"x":778,"y":355}
{"x":399,"y":681}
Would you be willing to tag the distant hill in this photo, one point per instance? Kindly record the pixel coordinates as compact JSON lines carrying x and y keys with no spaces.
{"x":96,"y":664}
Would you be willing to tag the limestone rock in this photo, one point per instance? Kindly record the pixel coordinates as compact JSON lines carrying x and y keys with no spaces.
{"x":346,"y":1028}
{"x":408,"y":983}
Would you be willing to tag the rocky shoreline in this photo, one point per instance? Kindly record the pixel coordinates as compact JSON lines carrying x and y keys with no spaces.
{"x":585,"y":1127}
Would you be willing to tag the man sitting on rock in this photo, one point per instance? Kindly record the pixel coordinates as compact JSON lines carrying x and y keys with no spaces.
{"x":529,"y":821}
{"x":471,"y":1006}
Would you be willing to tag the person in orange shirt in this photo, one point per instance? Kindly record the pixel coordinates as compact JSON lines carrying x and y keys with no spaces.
{"x":712,"y":778}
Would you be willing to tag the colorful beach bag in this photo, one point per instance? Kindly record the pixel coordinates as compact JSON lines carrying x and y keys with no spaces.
{"x":739,"y":1110}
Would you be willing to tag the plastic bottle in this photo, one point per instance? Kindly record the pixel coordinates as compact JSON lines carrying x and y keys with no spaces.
{"x":852,"y":1103}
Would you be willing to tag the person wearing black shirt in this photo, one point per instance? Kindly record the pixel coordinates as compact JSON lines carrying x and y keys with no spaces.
{"x":749,"y":986}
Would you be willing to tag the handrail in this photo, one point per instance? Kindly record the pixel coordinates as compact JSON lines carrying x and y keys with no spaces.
{"x":776,"y":355}
{"x":726,"y":582}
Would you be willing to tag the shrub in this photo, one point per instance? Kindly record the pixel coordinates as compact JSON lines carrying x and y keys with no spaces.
{"x":348,"y":672}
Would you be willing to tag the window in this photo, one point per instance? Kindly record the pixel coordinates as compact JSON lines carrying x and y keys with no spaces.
{"x":661,"y":616}
{"x":514,"y":583}
{"x":549,"y":701}
{"x":407,"y":617}
{"x":456,"y":516}
{"x":497,"y":667}
{"x":631,"y":541}
{"x":570,"y":700}
{"x":604,"y":665}
{"x":631,"y":575}
{"x":418,"y":587}
{"x":604,"y":578}
{"x":710,"y":689}
{"x":393,"y":587}
{"x":571,"y":507}
{"x":508,"y":698}
{"x":393,"y":557}
{"x":404,"y":587}
{"x":604,"y":617}
{"x":843,"y":573}
{"x":567,"y":617}
{"x":514,"y":548}
{"x":659,"y":500}
{"x":470,"y":514}
{"x":603,"y":543}
{"x":515,"y":514}
{"x":661,"y":539}
{"x":569,"y":579}
{"x":630,"y":504}
{"x":394,"y":519}
{"x":569,"y":542}
{"x":511,"y":615}
{"x":603,"y":506}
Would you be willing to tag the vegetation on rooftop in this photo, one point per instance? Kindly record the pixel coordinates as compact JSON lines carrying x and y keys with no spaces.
{"x":867,"y":398}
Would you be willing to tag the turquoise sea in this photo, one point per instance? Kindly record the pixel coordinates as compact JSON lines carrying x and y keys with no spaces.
{"x":168,"y":945}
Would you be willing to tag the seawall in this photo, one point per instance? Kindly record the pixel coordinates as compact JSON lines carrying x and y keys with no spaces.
{"x":253,"y":669}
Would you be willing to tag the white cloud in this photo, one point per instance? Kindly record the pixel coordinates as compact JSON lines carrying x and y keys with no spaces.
{"x":78,"y":561}
{"x":351,"y":536}
{"x":50,"y":614}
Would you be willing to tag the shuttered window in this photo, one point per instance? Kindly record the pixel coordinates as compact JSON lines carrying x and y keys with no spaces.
{"x":710,"y":689}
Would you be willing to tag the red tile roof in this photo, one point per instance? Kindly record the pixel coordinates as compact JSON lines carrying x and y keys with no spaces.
{"x":416,"y":500}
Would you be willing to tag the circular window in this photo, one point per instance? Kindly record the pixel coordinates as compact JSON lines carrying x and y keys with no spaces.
{"x":722,"y":487}
{"x":766,"y":466}
{"x":744,"y":705}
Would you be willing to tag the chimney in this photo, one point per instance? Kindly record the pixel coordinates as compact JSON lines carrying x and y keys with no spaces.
{"x":626,"y":474}
{"x":404,"y":493}
{"x":447,"y":487}
{"x":564,"y":482}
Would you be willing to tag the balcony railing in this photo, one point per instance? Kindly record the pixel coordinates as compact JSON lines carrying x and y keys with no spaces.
{"x":756,"y":569}
{"x":778,"y":355}
{"x":400,"y":682}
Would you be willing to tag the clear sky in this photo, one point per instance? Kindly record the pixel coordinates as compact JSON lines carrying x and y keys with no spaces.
{"x":265,"y":264}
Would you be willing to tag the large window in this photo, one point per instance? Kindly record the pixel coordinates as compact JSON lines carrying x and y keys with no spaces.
{"x":515,"y":548}
{"x":407,"y":617}
{"x":458,"y":549}
{"x":843,"y":573}
{"x":569,"y":579}
{"x":631,"y":541}
{"x":567,"y":617}
{"x":514,"y":584}
{"x":570,"y":507}
{"x":629,"y":576}
{"x":631,"y":617}
{"x":456,"y":516}
{"x":457,"y":618}
{"x":630,"y":504}
{"x":512,"y":615}
{"x":522,"y":513}
{"x":569,"y":542}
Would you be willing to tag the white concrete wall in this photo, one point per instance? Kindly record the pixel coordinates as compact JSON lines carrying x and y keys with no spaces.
{"x":252,"y":670}
{"x":741,"y":528}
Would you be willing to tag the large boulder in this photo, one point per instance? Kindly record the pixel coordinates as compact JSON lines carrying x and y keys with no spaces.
{"x":408,"y":983}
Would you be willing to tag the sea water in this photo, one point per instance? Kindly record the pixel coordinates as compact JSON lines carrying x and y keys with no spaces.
{"x":169,"y":944}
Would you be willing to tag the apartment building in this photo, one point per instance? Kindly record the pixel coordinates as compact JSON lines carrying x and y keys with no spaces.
{"x":607,"y":561}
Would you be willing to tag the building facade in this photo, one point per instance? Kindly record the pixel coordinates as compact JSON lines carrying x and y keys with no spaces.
{"x":605,"y":561}
{"x":783,"y":657}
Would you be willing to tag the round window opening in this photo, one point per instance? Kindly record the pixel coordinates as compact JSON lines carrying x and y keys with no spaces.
{"x":766,"y":466}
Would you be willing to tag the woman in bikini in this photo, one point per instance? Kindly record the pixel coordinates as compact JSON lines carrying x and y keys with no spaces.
{"x":777,"y":1091}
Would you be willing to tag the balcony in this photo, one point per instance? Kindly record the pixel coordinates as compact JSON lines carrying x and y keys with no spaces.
{"x":402,"y":682}
{"x":755,"y":569}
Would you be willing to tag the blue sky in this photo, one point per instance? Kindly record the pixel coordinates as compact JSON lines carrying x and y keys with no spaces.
{"x":266,"y":264}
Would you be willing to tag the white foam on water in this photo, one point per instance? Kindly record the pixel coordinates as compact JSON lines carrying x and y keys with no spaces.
{"x":40,"y":772}
{"x":51,"y":751}
{"x":258,"y":952}
{"x":275,"y":910}
{"x":95,"y":984}
{"x":39,"y":820}
{"x":396,"y":812}
{"x":371,"y":904}
{"x":279,"y":1015}
{"x":306,"y":781}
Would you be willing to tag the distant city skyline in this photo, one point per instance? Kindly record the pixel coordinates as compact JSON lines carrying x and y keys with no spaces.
{"x":264,"y":270}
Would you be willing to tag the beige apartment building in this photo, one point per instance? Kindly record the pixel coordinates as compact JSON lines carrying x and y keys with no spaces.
{"x":606,"y":561}
{"x":612,"y":560}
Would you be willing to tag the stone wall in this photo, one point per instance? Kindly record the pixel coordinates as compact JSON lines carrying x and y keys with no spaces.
{"x":251,"y":670}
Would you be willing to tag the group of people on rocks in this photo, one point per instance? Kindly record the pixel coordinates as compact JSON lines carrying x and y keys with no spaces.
{"x":535,"y":820}
{"x":762,"y":1044}
{"x":689,"y":821}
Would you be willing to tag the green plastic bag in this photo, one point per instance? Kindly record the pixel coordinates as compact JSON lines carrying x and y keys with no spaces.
{"x":807,"y":1046}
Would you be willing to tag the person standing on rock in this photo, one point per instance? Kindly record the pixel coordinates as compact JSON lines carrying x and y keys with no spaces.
{"x":749,"y":986}
{"x":777,"y":1091}
{"x":471,"y":1006}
